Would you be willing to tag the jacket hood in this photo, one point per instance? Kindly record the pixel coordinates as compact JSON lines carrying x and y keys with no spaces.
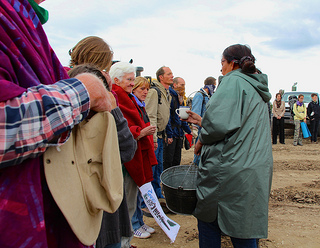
{"x":258,"y":81}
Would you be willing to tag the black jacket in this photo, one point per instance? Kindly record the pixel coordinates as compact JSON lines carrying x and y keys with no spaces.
{"x":313,"y":110}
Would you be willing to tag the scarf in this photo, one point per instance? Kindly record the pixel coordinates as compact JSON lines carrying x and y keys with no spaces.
{"x":42,"y":13}
{"x":27,"y":60}
{"x":181,"y":93}
{"x":278,"y":103}
{"x":299,"y":103}
{"x":210,"y":88}
{"x":140,"y":104}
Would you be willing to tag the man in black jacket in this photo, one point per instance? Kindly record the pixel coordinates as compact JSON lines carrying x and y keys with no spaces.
{"x":314,"y":115}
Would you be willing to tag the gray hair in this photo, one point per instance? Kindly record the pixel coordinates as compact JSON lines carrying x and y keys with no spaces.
{"x":119,"y":69}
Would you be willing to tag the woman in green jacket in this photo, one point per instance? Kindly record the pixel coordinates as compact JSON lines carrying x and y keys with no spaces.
{"x":235,"y":169}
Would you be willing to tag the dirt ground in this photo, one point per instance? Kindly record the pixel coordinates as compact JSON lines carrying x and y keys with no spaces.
{"x":294,"y":208}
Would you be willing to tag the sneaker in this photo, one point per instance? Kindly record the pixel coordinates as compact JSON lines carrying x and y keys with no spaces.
{"x":141,"y":233}
{"x":148,"y":229}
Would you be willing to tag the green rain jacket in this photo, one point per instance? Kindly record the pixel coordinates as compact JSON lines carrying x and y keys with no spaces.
{"x":235,"y":170}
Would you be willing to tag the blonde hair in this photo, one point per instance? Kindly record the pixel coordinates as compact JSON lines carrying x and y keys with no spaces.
{"x":141,"y":81}
{"x":92,"y":50}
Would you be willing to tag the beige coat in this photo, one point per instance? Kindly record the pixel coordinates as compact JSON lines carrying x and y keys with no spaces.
{"x":85,"y":175}
{"x":158,"y":113}
{"x":278,"y":111}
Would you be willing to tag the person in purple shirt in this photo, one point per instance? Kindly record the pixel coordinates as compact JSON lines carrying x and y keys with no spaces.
{"x":39,"y":106}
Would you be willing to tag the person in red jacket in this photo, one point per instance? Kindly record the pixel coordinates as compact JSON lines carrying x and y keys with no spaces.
{"x":139,"y":169}
{"x":140,"y":90}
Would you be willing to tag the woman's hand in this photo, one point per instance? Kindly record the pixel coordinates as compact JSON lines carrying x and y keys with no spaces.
{"x":197,"y":147}
{"x":194,"y":118}
{"x":150,"y":130}
{"x":155,"y":144}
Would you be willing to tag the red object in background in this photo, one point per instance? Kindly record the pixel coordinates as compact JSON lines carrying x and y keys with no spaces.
{"x":189,"y":138}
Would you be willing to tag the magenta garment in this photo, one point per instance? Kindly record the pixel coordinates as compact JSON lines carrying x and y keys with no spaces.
{"x":28,"y":215}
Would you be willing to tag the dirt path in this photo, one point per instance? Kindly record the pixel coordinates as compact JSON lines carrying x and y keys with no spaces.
{"x":294,"y":209}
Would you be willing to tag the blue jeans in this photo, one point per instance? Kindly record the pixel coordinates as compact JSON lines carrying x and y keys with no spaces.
{"x":210,"y":237}
{"x":137,"y":218}
{"x":157,"y":169}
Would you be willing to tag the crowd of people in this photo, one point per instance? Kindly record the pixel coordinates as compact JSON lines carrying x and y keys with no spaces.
{"x":55,"y":121}
{"x":300,"y":114}
{"x":93,"y":133}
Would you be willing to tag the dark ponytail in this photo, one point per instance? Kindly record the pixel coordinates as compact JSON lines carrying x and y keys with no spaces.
{"x":241,"y":54}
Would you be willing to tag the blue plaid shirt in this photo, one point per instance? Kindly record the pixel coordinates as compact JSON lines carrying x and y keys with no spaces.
{"x":41,"y":117}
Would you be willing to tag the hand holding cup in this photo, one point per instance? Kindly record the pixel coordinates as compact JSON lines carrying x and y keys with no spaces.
{"x":182,"y":112}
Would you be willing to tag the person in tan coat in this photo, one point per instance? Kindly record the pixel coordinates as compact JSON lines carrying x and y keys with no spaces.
{"x":278,"y":109}
{"x":158,"y":111}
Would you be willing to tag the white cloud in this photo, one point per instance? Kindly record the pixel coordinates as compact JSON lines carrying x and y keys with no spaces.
{"x":190,"y":36}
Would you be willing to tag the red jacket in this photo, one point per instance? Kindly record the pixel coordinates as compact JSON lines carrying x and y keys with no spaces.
{"x":140,"y":167}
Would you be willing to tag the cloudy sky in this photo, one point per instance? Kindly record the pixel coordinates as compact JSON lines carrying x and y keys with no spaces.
{"x":189,"y":36}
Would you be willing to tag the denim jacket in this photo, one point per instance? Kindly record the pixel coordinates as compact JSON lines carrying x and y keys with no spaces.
{"x":199,"y":102}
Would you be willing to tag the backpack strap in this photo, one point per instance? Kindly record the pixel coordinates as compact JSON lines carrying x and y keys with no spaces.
{"x":158,"y":92}
{"x":203,"y":99}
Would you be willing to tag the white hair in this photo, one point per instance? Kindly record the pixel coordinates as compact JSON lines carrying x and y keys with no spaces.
{"x":119,"y":69}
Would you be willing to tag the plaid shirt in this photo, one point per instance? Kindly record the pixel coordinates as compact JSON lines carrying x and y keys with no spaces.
{"x":40,"y":118}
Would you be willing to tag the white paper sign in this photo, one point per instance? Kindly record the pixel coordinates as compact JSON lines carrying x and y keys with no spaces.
{"x":170,"y":227}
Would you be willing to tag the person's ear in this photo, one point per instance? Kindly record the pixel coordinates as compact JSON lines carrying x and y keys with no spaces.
{"x":116,"y":81}
{"x":235,"y":66}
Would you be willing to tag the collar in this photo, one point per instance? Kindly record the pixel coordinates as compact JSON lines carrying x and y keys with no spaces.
{"x":42,"y":13}
{"x":205,"y":92}
{"x":172,"y":91}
